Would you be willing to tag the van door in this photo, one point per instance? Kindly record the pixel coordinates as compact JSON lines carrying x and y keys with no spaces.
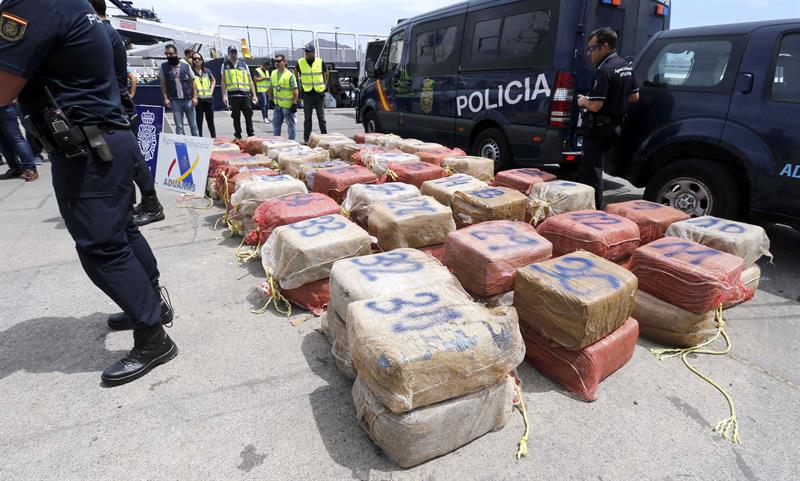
{"x":392,"y":83}
{"x":769,"y":105}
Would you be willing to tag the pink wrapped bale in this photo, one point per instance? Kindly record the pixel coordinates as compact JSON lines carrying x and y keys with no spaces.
{"x":289,"y":209}
{"x":653,"y":219}
{"x":335,"y":182}
{"x":606,"y":235}
{"x":437,"y":156}
{"x":521,"y":179}
{"x":414,"y":173}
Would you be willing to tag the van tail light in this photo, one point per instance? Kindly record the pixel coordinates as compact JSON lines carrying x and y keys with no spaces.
{"x":562,"y":104}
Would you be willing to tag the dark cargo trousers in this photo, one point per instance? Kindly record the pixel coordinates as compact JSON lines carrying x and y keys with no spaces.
{"x":312,"y":102}
{"x":598,"y":144}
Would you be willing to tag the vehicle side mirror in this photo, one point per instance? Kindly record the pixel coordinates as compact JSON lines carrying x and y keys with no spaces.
{"x":370,"y":67}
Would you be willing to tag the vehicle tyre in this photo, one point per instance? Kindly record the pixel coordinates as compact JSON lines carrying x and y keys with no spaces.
{"x":493,"y":144}
{"x":697,"y":187}
{"x":370,"y":122}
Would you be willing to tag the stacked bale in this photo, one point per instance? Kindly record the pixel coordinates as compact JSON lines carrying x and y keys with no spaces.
{"x":653,"y":219}
{"x":606,"y":235}
{"x":379,"y":162}
{"x":491,"y":203}
{"x":268,"y":146}
{"x":418,"y":222}
{"x":547,"y":199}
{"x":522,"y":179}
{"x":324,"y":140}
{"x":228,"y":147}
{"x":288,"y":209}
{"x":415,"y":172}
{"x":413,"y":148}
{"x":361,"y":198}
{"x":335,"y":182}
{"x":479,"y":167}
{"x":253,"y":145}
{"x":443,"y":189}
{"x":575,"y":314}
{"x":437,"y":156}
{"x":363,"y":156}
{"x":250,"y":194}
{"x":293,"y":163}
{"x":308,"y":172}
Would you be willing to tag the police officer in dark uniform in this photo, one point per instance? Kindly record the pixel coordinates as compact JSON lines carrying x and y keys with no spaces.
{"x":55,"y":56}
{"x":613,"y":88}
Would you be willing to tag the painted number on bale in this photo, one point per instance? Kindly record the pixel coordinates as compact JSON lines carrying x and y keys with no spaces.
{"x":315,"y":227}
{"x":718,"y":224}
{"x":275,"y":178}
{"x":453,"y":181}
{"x":515,"y":239}
{"x":405,"y":207}
{"x":595,"y":220}
{"x":389,"y":263}
{"x":698,"y":254}
{"x":387,"y":189}
{"x":420,"y":321}
{"x":341,"y":170}
{"x":395,"y":304}
{"x":646,"y":205}
{"x":530,"y":172}
{"x":574,"y":268}
{"x":487,"y":193}
{"x":416,"y":166}
{"x":298,"y":200}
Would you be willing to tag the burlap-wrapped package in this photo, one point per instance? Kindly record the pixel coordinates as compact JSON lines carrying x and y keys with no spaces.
{"x":361,"y":198}
{"x":575,"y":300}
{"x":668,"y":324}
{"x":346,"y":151}
{"x":335,"y":329}
{"x":365,"y":154}
{"x":485,"y":257}
{"x":413,"y":147}
{"x":607,"y":235}
{"x":747,"y":241}
{"x":361,"y":137}
{"x":479,"y":167}
{"x":751,"y":277}
{"x":304,"y":252}
{"x":417,"y":222}
{"x":258,"y":189}
{"x":335,"y":182}
{"x":547,"y":199}
{"x":422,"y":346}
{"x":268,"y":145}
{"x":381,"y":139}
{"x":227,"y":182}
{"x":252,"y":145}
{"x":522,"y":179}
{"x":375,"y":275}
{"x":581,"y":371}
{"x":225,"y":147}
{"x":309,"y":171}
{"x":293,"y":164}
{"x":425,"y":433}
{"x":687,"y":274}
{"x":379,"y":161}
{"x":323,"y":140}
{"x":443,"y":189}
{"x":274,"y":154}
{"x":398,"y":142}
{"x":251,"y":161}
{"x":490,"y":203}
{"x":653,"y":219}
{"x":415,"y":173}
{"x":437,"y":156}
{"x":337,"y":147}
{"x":289,"y":209}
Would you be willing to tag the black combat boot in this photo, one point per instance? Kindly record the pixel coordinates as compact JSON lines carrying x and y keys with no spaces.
{"x":151,"y":347}
{"x":120,"y":321}
{"x":148,"y":211}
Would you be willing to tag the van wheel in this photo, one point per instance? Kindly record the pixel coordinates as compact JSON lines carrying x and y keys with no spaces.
{"x":697,"y":187}
{"x":370,"y":122}
{"x":492,"y":144}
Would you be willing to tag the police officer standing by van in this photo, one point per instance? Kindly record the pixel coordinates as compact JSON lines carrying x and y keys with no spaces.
{"x":613,"y":88}
{"x":55,"y":56}
{"x":313,"y":80}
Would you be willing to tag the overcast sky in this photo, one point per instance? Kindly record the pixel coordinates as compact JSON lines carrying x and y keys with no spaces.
{"x":377,"y":16}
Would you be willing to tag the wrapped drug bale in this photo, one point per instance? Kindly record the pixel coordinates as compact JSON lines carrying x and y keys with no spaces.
{"x":312,"y":297}
{"x":222,"y":140}
{"x":751,"y":277}
{"x":379,"y":162}
{"x":346,"y":151}
{"x":335,"y":182}
{"x":412,"y":438}
{"x":521,"y":179}
{"x":425,"y":345}
{"x":547,"y":199}
{"x":398,"y":142}
{"x":485,"y":257}
{"x":443,"y":189}
{"x":274,"y":154}
{"x":250,"y":194}
{"x":337,"y":148}
{"x":227,"y":183}
{"x":506,"y":299}
{"x":436,"y":251}
{"x":370,"y":276}
{"x":437,"y":156}
{"x":576,"y":299}
{"x":252,"y":145}
{"x":607,"y":235}
{"x":581,"y":372}
{"x":416,"y":222}
{"x":490,"y":203}
{"x":653,"y":219}
{"x":251,"y":161}
{"x":364,"y":155}
{"x":334,"y":327}
{"x":308,"y":171}
{"x":268,"y":145}
{"x":220,"y":158}
{"x":381,"y":139}
{"x":361,"y":198}
{"x":323,"y":140}
{"x":360,"y":137}
{"x":747,"y":241}
{"x":413,"y":147}
{"x":226,"y":147}
{"x":415,"y":173}
{"x":289,"y":209}
{"x":479,"y":167}
{"x":667,"y":324}
{"x":292,"y":164}
{"x":687,"y":274}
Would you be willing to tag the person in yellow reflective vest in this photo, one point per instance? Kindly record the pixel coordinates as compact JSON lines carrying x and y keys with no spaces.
{"x":313,"y":76}
{"x":284,"y":93}
{"x":263,"y":80}
{"x":238,"y":92}
{"x":205,"y":83}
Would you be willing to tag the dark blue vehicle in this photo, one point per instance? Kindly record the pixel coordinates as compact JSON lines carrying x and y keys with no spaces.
{"x":716,"y":128}
{"x":498,"y":77}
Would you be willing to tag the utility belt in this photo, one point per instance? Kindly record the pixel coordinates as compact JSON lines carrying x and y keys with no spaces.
{"x":593,"y":120}
{"x":56,"y":133}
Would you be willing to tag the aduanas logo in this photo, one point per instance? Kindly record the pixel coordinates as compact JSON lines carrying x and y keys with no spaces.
{"x":182,"y":177}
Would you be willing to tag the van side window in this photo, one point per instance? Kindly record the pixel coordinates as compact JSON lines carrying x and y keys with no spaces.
{"x":684,"y":64}
{"x":786,"y":82}
{"x":434,"y":49}
{"x":395,"y":51}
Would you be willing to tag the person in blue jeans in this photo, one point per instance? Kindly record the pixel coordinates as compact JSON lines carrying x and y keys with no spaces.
{"x":284,"y":92}
{"x":179,"y":90}
{"x":15,"y":148}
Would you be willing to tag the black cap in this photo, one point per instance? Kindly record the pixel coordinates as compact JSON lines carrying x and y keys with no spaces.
{"x":310,"y":48}
{"x":232,"y":49}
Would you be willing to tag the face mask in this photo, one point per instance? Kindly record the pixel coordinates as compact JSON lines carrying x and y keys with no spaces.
{"x":173,"y":61}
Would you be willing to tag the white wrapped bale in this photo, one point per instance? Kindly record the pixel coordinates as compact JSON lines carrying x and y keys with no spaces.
{"x":335,"y":330}
{"x":293,"y":164}
{"x":414,"y":147}
{"x":268,"y":145}
{"x":274,"y":154}
{"x":479,"y":167}
{"x":258,"y":189}
{"x":443,"y":189}
{"x":323,"y":140}
{"x":336,"y":147}
{"x":547,"y":199}
{"x":420,"y":222}
{"x":379,"y":162}
{"x":671,"y":325}
{"x":361,"y":198}
{"x":747,"y":241}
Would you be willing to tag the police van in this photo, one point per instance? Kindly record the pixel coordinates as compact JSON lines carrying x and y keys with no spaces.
{"x":498,"y":77}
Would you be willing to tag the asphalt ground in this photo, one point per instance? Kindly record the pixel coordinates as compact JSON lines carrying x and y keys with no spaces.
{"x":256,"y":397}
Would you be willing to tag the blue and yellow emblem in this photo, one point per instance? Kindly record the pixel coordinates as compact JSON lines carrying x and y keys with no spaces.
{"x":12,"y":27}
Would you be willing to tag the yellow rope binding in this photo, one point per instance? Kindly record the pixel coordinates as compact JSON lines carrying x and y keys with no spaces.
{"x":391,"y":174}
{"x":523,"y":442}
{"x":728,"y":428}
{"x":245,"y":254}
{"x":275,"y":297}
{"x":184,"y":201}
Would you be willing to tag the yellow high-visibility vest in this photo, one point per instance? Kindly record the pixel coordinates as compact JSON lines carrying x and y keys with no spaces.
{"x":282,"y":87}
{"x":311,"y":75}
{"x":263,"y":85}
{"x":203,"y":83}
{"x":236,"y":79}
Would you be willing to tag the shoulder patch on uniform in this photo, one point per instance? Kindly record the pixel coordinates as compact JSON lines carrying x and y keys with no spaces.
{"x":12,"y":27}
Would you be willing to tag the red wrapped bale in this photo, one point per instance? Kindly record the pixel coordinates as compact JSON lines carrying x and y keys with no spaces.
{"x":436,"y":251}
{"x":414,"y":173}
{"x":606,"y":235}
{"x":335,"y":182}
{"x":521,"y":179}
{"x":751,"y":277}
{"x":222,"y":140}
{"x":575,"y":300}
{"x":485,"y":257}
{"x":312,"y":297}
{"x":581,"y":372}
{"x":288,"y":209}
{"x":653,"y":219}
{"x":687,"y":274}
{"x":253,"y":145}
{"x":436,"y":157}
{"x":364,"y":155}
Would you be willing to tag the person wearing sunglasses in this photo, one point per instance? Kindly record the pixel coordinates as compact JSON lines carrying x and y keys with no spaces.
{"x":238,"y":92}
{"x":205,"y":84}
{"x":284,"y":93}
{"x":613,"y":88}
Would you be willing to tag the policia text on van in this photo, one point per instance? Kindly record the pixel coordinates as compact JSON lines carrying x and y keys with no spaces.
{"x":498,"y":77}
